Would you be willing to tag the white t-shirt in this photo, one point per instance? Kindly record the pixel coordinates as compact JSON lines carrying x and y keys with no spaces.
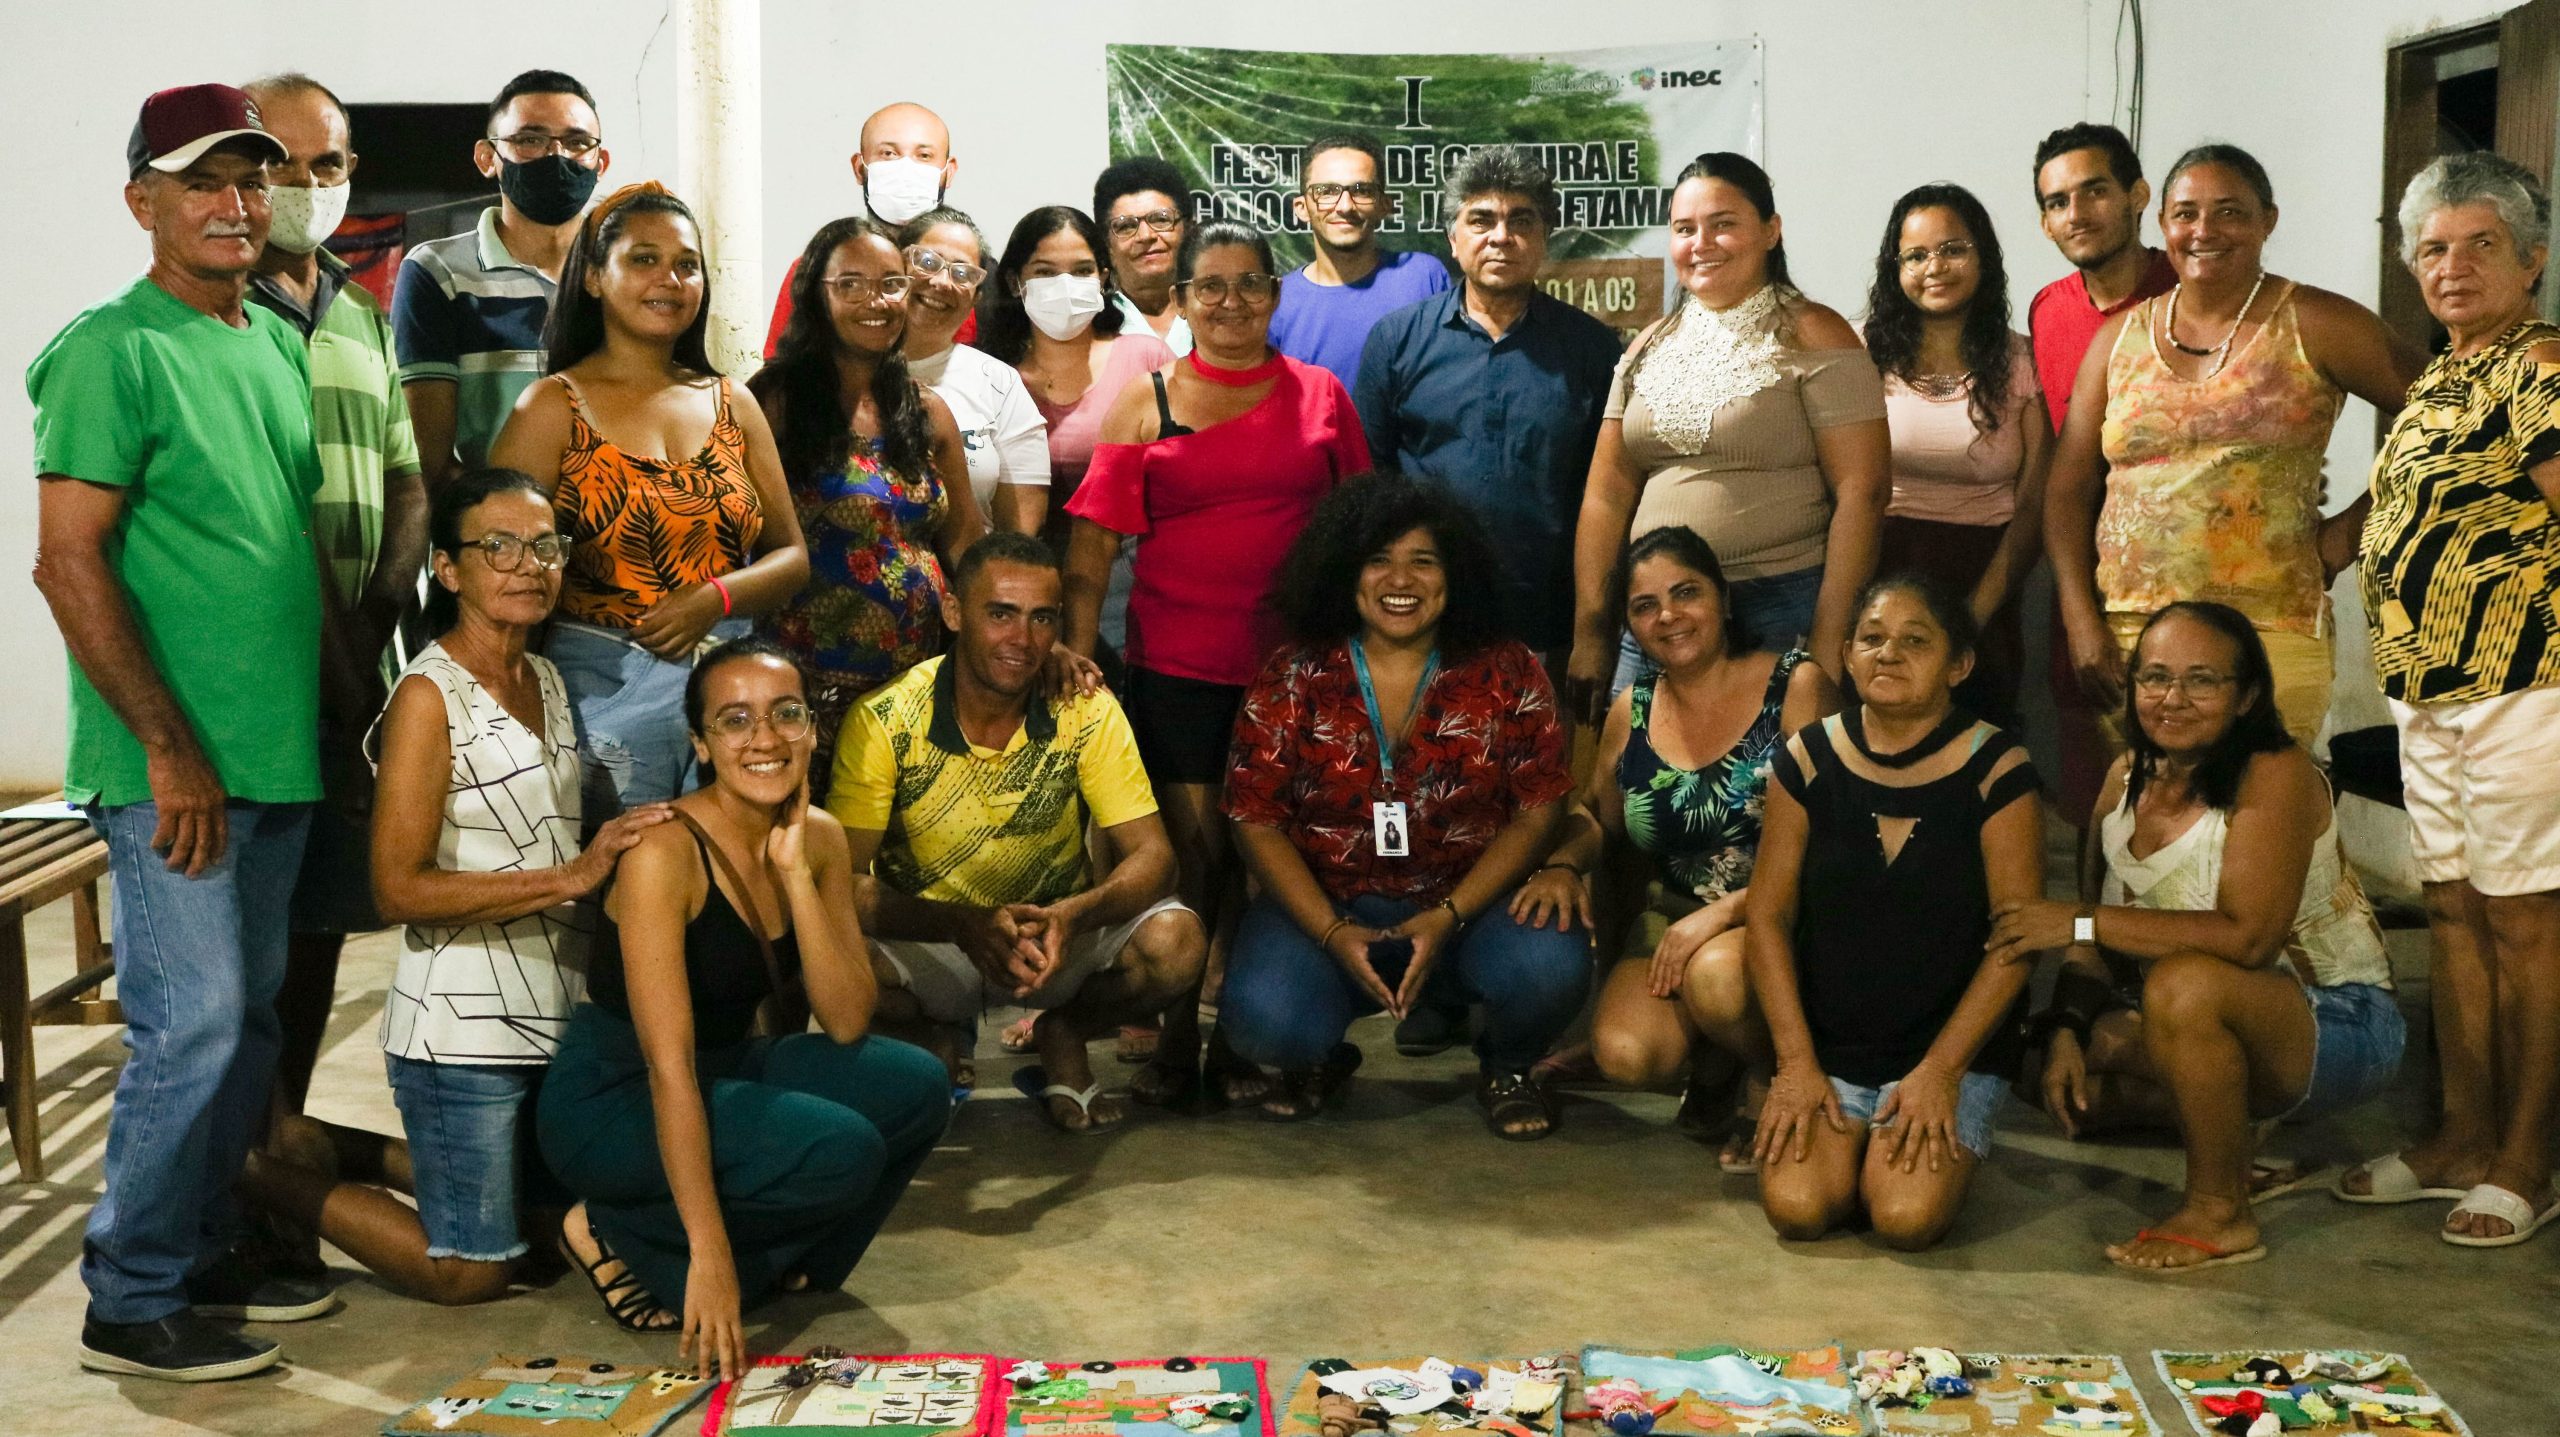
{"x":1006,"y":439}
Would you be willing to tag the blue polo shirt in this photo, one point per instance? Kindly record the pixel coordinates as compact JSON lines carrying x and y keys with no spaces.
{"x":1325,"y":324}
{"x":467,"y":312}
{"x":1507,"y":423}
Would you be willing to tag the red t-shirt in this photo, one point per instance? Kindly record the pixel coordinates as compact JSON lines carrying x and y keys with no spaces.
{"x":1485,"y":743}
{"x":782,"y":316}
{"x":1220,"y":507}
{"x":2063,"y":322}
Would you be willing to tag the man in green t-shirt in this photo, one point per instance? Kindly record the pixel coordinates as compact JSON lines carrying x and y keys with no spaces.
{"x":176,"y":471}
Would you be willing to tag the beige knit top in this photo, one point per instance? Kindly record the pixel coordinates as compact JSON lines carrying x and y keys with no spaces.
{"x":1719,"y":413}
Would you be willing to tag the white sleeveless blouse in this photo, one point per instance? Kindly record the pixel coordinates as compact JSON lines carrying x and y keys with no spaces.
{"x":2335,"y":938}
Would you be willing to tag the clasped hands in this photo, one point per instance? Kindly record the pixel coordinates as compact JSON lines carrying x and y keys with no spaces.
{"x":1019,"y":945}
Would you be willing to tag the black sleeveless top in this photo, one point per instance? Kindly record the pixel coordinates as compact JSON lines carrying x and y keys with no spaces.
{"x":1885,"y":951}
{"x":724,"y":971}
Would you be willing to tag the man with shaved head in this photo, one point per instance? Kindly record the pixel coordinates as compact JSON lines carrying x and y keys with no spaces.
{"x":903,"y":164}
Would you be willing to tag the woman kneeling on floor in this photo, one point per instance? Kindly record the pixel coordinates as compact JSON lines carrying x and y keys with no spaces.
{"x":1397,"y":772}
{"x":718,"y":1168}
{"x":1677,"y":790}
{"x":2266,"y":992}
{"x":1893,"y":831}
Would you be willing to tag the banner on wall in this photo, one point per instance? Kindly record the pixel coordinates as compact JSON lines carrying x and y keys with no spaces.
{"x":1613,"y":126}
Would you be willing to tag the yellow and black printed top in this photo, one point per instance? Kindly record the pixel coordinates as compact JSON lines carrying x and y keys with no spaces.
{"x":2462,"y":554}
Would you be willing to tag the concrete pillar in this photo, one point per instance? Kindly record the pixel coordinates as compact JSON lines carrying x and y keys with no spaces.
{"x":720,"y":167}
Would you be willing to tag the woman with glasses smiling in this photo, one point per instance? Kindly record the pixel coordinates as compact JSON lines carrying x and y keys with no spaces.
{"x":1218,"y":462}
{"x":877,"y":471}
{"x":1001,"y":431}
{"x":2264,"y":991}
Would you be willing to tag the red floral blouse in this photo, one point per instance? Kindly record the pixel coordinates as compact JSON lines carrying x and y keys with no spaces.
{"x":1485,"y":745}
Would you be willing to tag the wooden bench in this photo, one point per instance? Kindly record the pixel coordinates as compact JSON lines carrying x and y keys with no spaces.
{"x":42,"y":859}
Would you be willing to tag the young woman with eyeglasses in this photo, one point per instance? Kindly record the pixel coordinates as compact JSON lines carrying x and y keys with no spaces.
{"x":877,"y":474}
{"x":1218,"y":462}
{"x":1001,"y":430}
{"x":2223,"y":968}
{"x":718,"y":1168}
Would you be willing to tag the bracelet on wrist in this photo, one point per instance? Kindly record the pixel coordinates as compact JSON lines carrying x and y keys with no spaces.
{"x":723,"y":589}
{"x":1327,"y":940}
{"x":1564,"y":864}
{"x":1454,"y":915}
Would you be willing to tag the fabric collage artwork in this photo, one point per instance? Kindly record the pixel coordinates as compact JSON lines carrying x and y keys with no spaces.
{"x":2260,"y":1393}
{"x":1146,"y":1397}
{"x":1720,"y":1391}
{"x":1935,"y":1392}
{"x":829,"y":1390}
{"x":554,"y":1396}
{"x":1418,"y":1396}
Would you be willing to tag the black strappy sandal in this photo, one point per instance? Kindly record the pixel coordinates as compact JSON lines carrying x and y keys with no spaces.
{"x":630,"y":1305}
{"x":1513,"y":1098}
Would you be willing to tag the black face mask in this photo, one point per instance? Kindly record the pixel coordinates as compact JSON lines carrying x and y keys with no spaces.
{"x":548,"y":191}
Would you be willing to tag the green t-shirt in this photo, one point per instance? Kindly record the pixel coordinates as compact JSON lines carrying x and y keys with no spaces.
{"x":207,"y":429}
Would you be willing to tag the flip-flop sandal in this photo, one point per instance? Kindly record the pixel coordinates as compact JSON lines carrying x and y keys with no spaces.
{"x":1016,"y":1037}
{"x":2389,"y":1180}
{"x":1312,"y":1092}
{"x":1137,"y":1042}
{"x":631,"y":1305}
{"x":2213,"y":1256}
{"x":1734,"y":1159}
{"x":1033,"y":1083}
{"x":2491,"y":1200}
{"x":1510,"y":1098}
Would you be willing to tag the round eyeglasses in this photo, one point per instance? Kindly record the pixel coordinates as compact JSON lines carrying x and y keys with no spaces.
{"x":735,"y":727}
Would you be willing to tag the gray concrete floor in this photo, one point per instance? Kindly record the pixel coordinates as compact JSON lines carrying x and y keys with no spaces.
{"x":1395,"y":1225}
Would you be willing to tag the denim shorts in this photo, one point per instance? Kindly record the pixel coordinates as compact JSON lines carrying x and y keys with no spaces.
{"x":1978,"y":1098}
{"x":2357,"y":1035}
{"x":466,"y":1124}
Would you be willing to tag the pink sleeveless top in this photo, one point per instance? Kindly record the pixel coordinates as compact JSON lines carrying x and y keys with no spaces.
{"x":2213,"y":485}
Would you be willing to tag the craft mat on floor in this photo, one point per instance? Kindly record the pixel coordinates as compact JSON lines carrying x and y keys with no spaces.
{"x":2310,"y":1393}
{"x":554,"y":1396}
{"x":1418,"y":1396}
{"x":1148,"y":1397}
{"x":1719,"y":1391}
{"x":2012,"y":1393}
{"x":936,"y":1394}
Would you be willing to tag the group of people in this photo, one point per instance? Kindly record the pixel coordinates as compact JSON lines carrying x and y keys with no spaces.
{"x":1118,"y":627}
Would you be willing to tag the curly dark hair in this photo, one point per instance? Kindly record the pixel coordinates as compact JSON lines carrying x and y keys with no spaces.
{"x":1893,"y":321}
{"x":800,"y":388}
{"x":1316,"y":595}
{"x":2256,"y":729}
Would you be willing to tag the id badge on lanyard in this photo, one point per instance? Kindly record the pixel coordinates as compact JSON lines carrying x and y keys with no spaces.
{"x":1390,"y":823}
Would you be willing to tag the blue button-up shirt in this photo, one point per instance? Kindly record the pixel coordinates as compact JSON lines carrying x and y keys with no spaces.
{"x":1508,"y":423}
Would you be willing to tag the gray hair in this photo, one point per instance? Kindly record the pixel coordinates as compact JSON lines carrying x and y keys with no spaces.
{"x":1500,"y":169}
{"x":2479,"y":177}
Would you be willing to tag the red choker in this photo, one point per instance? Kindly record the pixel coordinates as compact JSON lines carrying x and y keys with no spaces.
{"x":1235,"y":378}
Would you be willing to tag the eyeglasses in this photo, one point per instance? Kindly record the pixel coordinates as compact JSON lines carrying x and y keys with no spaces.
{"x":736,"y":727}
{"x":854,"y":288}
{"x":925,"y":264}
{"x":504,"y":552}
{"x":1953,"y":252}
{"x":526,"y":146}
{"x":2201,"y":685}
{"x":1163,"y":222}
{"x":1247,"y":288}
{"x":1326,"y":196}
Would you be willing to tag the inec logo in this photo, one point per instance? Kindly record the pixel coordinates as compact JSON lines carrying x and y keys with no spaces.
{"x":1649,"y":78}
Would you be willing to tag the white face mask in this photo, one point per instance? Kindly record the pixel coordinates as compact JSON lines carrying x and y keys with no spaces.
{"x":305,"y":215}
{"x":1061,"y":305}
{"x":900,"y":190}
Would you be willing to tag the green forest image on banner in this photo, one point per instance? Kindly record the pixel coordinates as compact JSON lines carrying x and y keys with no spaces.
{"x":1612,"y":126}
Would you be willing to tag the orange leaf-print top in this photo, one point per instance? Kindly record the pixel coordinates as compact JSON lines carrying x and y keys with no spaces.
{"x":2213,"y":485}
{"x":644,"y":528}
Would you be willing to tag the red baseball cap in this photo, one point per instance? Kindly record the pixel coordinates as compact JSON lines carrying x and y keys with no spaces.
{"x":177,"y":126}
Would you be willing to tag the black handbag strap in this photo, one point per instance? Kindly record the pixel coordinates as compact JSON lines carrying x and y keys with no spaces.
{"x":746,"y":903}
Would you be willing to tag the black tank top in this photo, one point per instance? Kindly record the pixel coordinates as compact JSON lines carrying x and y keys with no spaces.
{"x":724,"y":969}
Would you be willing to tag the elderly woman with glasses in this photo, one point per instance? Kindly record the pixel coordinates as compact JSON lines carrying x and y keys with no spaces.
{"x":2459,"y":562}
{"x":1001,"y":431}
{"x":1217,"y":462}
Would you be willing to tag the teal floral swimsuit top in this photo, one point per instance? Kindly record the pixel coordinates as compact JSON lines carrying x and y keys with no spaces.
{"x":1702,"y":825}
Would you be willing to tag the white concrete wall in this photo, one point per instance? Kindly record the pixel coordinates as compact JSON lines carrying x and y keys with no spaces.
{"x":1864,"y":99}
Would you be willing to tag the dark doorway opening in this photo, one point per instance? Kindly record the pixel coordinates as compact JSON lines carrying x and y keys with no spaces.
{"x":414,"y":182}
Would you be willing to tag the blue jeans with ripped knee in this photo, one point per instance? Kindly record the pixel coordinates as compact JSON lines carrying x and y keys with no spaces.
{"x":628,"y":703}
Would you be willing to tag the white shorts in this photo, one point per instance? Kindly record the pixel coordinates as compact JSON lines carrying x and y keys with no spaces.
{"x":950,"y":989}
{"x":2482,"y":783}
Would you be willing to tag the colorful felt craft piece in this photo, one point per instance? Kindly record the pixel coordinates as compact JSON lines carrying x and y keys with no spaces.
{"x":939,"y":1394}
{"x":1153,"y":1397}
{"x":1936,"y":1392}
{"x":548,"y":1395}
{"x":1426,"y":1397}
{"x":2304,"y":1393}
{"x":1721,"y":1391}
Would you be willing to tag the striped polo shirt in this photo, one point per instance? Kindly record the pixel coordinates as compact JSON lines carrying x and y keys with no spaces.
{"x":466,"y":312}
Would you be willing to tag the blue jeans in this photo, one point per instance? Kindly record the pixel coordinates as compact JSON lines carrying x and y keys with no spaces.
{"x":465,"y":1123}
{"x":1287,"y":1003}
{"x":198,"y":964}
{"x":633,"y":747}
{"x":1775,"y":613}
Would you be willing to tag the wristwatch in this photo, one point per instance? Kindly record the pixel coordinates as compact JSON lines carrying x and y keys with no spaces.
{"x":2084,"y":926}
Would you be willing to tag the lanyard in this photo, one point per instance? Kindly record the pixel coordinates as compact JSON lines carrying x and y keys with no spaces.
{"x":1369,"y":697}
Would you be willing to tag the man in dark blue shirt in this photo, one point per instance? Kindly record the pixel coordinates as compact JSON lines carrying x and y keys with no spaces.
{"x":1495,"y":388}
